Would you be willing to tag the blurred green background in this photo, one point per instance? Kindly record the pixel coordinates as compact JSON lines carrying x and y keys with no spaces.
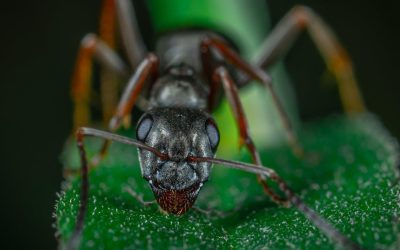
{"x":39,"y":41}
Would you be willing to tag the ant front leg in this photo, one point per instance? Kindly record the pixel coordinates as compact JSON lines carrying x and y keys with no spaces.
{"x":139,"y":197}
{"x":258,"y":74}
{"x":221,"y":75}
{"x":335,"y":56}
{"x":146,"y":70}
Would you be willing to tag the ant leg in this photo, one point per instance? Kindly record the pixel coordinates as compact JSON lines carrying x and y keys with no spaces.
{"x":123,"y":12}
{"x":91,"y":47}
{"x":82,"y":132}
{"x":221,"y":75}
{"x":146,"y":69}
{"x":258,"y":74}
{"x":110,"y":84}
{"x":138,"y":197}
{"x":292,"y":197}
{"x":131,"y":38}
{"x":132,"y":44}
{"x":107,"y":23}
{"x":335,"y":56}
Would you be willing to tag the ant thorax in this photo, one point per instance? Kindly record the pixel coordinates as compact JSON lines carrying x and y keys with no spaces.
{"x":179,"y":87}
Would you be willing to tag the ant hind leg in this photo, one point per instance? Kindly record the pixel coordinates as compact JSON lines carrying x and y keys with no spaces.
{"x":302,"y":18}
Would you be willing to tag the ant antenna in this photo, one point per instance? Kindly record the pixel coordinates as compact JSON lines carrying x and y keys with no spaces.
{"x":294,"y":199}
{"x":73,"y":242}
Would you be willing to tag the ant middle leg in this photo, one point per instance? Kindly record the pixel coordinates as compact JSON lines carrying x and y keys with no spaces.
{"x":259,"y":75}
{"x":91,"y":48}
{"x":113,"y":68}
{"x":146,"y":70}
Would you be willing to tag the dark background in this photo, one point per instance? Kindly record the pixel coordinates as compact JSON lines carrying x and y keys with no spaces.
{"x":39,"y":41}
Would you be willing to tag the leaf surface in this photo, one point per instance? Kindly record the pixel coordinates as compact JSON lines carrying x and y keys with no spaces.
{"x":349,"y":176}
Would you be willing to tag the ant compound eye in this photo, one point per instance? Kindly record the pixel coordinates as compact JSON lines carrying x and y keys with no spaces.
{"x":144,"y":127}
{"x":213,"y":133}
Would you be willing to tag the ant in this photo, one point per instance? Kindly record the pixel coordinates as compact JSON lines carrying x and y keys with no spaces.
{"x":178,"y":87}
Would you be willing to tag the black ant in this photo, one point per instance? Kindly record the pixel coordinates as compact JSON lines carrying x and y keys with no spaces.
{"x":177,"y":137}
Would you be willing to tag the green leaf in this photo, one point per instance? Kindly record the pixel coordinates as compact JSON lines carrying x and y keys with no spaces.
{"x":349,"y":177}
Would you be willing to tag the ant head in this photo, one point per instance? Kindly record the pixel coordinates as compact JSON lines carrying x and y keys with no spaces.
{"x":179,"y":134}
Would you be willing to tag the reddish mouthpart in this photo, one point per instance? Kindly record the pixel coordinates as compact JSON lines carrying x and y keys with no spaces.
{"x":176,"y":201}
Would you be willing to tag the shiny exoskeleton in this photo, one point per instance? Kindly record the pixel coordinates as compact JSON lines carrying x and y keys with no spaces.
{"x":181,"y":84}
{"x":178,"y":125}
{"x":178,"y":132}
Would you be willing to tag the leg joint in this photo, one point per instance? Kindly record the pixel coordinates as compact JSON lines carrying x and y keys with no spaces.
{"x":89,"y":41}
{"x":302,"y":15}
